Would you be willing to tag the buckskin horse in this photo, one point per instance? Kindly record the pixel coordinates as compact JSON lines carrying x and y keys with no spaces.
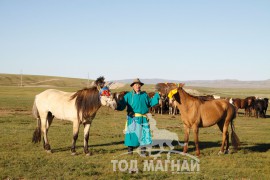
{"x":196,"y":113}
{"x":79,"y":107}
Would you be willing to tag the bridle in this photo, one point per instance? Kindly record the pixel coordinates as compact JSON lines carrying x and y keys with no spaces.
{"x":105,"y":91}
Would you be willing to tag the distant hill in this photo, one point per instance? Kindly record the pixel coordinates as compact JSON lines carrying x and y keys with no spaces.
{"x":53,"y":81}
{"x":41,"y":81}
{"x":49,"y":81}
{"x":227,"y":83}
{"x":231,"y":84}
{"x":148,"y":81}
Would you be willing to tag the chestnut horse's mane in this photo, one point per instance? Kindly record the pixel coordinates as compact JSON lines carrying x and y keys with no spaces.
{"x":201,"y":99}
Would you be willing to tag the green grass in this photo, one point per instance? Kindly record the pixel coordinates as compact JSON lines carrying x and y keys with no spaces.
{"x":21,"y":159}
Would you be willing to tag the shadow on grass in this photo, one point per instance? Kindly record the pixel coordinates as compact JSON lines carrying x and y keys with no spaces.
{"x":91,"y":146}
{"x":108,"y":144}
{"x":191,"y":146}
{"x":202,"y":145}
{"x":260,"y":147}
{"x":267,"y":116}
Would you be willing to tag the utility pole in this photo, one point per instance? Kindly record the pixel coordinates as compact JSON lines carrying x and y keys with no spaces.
{"x":21,"y":78}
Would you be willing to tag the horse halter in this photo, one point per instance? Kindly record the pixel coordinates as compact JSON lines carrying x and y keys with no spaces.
{"x":104,"y":91}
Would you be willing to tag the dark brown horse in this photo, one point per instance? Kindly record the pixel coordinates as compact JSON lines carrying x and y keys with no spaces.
{"x":165,"y":88}
{"x":196,"y":113}
{"x":162,"y":105}
{"x":118,"y":96}
{"x":239,"y":104}
{"x":246,"y":104}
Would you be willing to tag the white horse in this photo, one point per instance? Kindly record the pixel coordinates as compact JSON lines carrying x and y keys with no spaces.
{"x":79,"y":107}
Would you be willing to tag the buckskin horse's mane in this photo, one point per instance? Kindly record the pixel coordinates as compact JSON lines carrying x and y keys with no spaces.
{"x":87,"y":102}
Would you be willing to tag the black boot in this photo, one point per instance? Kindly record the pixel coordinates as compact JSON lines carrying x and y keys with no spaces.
{"x":130,"y":150}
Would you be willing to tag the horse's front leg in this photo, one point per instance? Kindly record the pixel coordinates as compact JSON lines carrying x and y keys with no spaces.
{"x":76,"y":127}
{"x":196,"y":138}
{"x":186,"y":138}
{"x":86,"y":138}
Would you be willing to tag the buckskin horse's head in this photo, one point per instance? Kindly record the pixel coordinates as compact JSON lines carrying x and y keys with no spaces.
{"x":106,"y":98}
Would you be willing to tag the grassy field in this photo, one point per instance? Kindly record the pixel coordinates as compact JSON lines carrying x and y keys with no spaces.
{"x":21,"y":159}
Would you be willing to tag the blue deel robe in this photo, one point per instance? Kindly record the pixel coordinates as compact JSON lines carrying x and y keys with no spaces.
{"x":138,"y":129}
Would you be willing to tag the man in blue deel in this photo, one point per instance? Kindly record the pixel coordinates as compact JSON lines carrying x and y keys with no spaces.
{"x":137,"y":131}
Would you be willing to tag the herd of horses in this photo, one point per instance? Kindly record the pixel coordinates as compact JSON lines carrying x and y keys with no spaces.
{"x":253,"y":106}
{"x":195,"y":111}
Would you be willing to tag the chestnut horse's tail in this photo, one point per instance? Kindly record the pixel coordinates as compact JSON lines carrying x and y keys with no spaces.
{"x":234,"y":137}
{"x":37,"y":133}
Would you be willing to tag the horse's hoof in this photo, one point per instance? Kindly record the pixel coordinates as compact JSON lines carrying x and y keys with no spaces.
{"x":49,"y":151}
{"x":227,"y":152}
{"x":220,"y":153}
{"x":73,"y":153}
{"x":89,"y":154}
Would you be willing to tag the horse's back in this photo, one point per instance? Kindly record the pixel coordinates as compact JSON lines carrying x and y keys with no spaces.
{"x":53,"y":94}
{"x":214,"y":110}
{"x":57,"y":102}
{"x":214,"y":103}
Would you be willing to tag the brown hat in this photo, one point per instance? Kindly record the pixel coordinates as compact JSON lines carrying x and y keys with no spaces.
{"x":137,"y":81}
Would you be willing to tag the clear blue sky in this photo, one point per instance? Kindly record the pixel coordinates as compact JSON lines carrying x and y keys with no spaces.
{"x":122,"y":39}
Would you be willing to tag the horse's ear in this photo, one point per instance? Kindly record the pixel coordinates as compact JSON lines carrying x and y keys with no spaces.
{"x":100,"y":81}
{"x":181,"y":85}
{"x":110,"y":84}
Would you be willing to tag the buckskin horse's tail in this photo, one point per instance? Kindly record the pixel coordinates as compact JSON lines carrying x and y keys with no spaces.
{"x":234,"y":137}
{"x":37,"y":133}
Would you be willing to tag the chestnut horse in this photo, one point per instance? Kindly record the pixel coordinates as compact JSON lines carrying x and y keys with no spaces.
{"x":196,"y":113}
